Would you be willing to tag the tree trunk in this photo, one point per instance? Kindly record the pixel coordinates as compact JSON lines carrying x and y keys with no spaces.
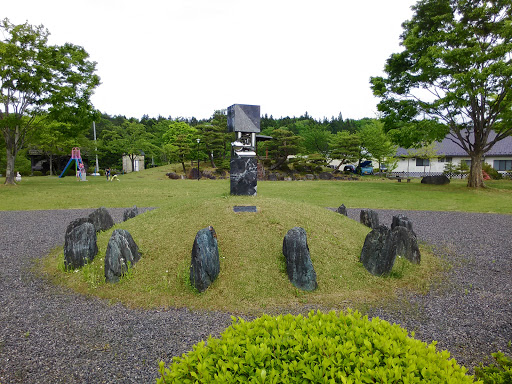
{"x":51,"y":162}
{"x":183,"y":165}
{"x":132,"y":158}
{"x":475,"y":178}
{"x":211,"y":160}
{"x":9,"y":171}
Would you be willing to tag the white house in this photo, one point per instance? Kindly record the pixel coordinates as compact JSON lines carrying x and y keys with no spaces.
{"x":499,"y":157}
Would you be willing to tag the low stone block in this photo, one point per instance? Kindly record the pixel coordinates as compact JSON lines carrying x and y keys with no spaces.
{"x":173,"y":176}
{"x":405,"y":244}
{"x":101,"y":219}
{"x":325,"y":176}
{"x":130,"y":213}
{"x":80,"y":245}
{"x":369,"y":218}
{"x":437,"y":180}
{"x":194,"y":174}
{"x":342,"y":210}
{"x":299,"y":266}
{"x":378,"y":255}
{"x":122,"y":253}
{"x":205,"y":263}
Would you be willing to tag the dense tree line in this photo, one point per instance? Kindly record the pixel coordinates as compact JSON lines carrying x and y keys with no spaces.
{"x":165,"y":140}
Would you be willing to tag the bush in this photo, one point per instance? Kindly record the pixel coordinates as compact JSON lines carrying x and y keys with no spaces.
{"x":496,"y":374}
{"x":494,"y":174}
{"x":38,"y":173}
{"x":319,"y":348}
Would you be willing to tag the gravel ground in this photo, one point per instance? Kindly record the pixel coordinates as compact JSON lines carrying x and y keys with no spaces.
{"x":51,"y":335}
{"x":471,"y":314}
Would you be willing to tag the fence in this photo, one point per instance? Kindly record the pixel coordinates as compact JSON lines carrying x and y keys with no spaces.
{"x":506,"y":175}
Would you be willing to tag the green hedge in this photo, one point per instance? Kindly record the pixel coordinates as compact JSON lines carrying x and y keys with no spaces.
{"x":319,"y":348}
{"x":499,"y":373}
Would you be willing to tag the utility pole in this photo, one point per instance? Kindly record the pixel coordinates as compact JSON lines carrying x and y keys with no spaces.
{"x":97,"y":171}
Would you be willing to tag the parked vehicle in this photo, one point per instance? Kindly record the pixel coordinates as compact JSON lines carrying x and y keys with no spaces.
{"x":365,"y":168}
{"x":349,"y":168}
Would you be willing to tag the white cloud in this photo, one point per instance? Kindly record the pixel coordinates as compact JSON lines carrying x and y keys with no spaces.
{"x":190,"y":57}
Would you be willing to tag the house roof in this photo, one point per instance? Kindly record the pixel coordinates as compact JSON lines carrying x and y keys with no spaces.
{"x":448,"y":148}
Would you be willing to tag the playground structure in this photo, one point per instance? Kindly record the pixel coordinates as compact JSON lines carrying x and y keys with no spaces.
{"x":79,"y":165}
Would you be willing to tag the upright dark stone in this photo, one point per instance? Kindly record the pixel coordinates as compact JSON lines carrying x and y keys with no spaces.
{"x":76,"y":223}
{"x":369,"y":218}
{"x":244,"y":176}
{"x":378,"y":255}
{"x":342,"y":210}
{"x":437,"y":180}
{"x":101,"y":219}
{"x":80,"y":245}
{"x":205,"y":264}
{"x":405,"y":243}
{"x":122,"y":253}
{"x":298,"y":260}
{"x":130,"y":213}
{"x":401,"y":221}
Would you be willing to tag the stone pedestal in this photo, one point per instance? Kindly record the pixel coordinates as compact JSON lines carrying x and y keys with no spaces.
{"x":244,"y":176}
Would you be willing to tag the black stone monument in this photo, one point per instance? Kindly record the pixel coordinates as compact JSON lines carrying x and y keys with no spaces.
{"x":244,"y":120}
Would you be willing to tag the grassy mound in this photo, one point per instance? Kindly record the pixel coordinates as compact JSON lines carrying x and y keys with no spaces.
{"x":253,"y":274}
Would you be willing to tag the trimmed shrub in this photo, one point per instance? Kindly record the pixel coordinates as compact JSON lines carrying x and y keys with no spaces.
{"x":318,"y":348}
{"x":496,"y":374}
{"x":38,"y":173}
{"x":494,"y":174}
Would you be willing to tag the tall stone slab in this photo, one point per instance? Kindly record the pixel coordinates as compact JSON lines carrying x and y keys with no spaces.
{"x":369,"y":218}
{"x":130,"y":213}
{"x":101,"y":219}
{"x":244,"y":121}
{"x":244,"y":176}
{"x":205,"y":263}
{"x":401,"y":221}
{"x":342,"y":210}
{"x":405,"y":243}
{"x":378,"y":254}
{"x":299,"y":266}
{"x":80,"y":245}
{"x":122,"y":253}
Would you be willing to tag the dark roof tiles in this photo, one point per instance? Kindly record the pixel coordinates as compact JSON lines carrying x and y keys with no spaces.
{"x":448,"y":147}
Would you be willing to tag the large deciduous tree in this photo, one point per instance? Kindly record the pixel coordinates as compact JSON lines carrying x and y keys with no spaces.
{"x":454,"y":77}
{"x":39,"y":79}
{"x":54,"y":138}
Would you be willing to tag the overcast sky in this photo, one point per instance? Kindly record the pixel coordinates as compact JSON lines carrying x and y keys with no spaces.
{"x":190,"y":57}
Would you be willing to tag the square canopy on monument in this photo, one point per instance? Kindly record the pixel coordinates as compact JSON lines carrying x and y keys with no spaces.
{"x":244,"y":118}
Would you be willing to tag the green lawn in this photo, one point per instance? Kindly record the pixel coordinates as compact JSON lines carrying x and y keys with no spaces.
{"x":253,"y":277}
{"x":152,"y":188}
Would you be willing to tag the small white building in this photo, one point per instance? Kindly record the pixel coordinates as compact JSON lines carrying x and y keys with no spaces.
{"x":499,"y":157}
{"x":138,"y":163}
